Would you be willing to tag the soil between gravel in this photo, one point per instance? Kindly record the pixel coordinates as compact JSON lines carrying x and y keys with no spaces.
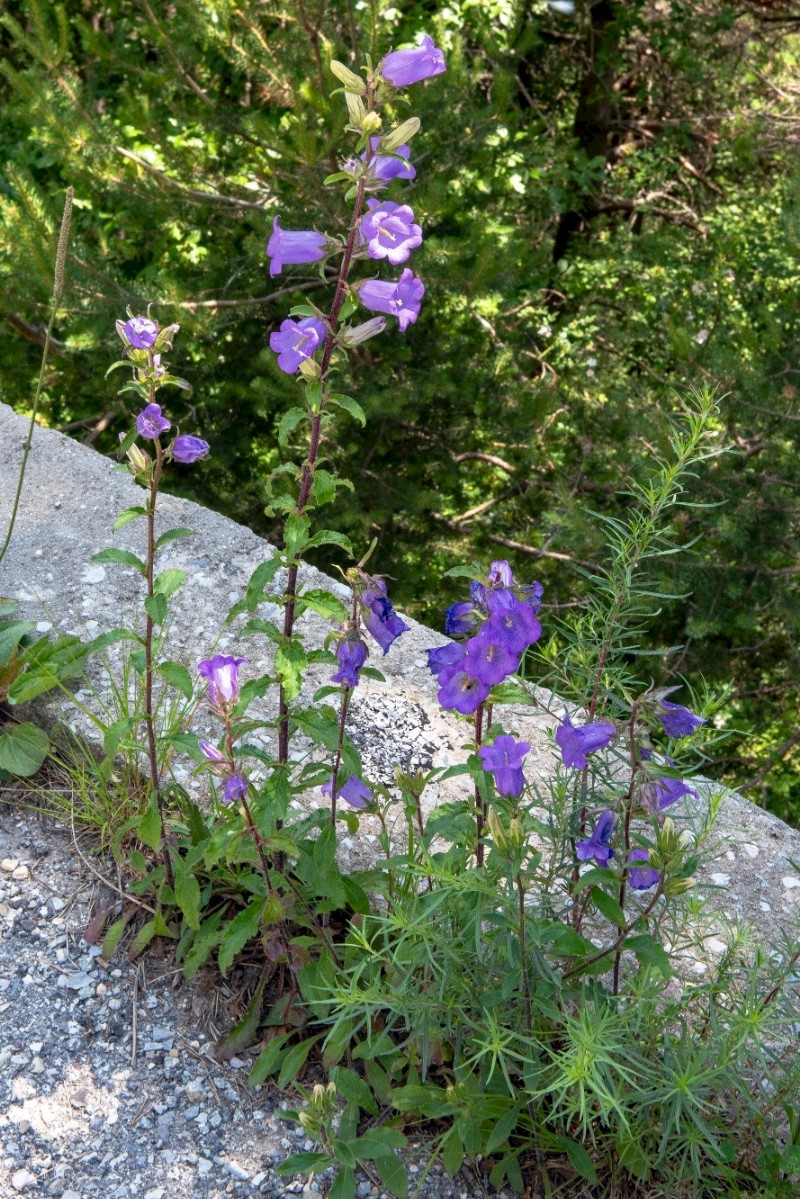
{"x":107,"y":1083}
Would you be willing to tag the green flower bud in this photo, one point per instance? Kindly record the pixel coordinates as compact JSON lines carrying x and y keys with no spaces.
{"x":371,"y":123}
{"x":352,"y":82}
{"x":498,"y":832}
{"x":396,"y":138}
{"x":356,"y":109}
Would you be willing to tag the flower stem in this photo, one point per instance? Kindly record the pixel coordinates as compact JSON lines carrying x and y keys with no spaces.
{"x":346,"y":693}
{"x":155,"y":776}
{"x":480,"y":807}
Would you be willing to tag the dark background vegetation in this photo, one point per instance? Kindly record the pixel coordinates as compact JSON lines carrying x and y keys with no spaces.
{"x":611,"y":207}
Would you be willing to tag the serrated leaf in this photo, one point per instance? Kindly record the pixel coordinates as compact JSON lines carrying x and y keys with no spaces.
{"x":244,"y":1031}
{"x":168,"y":582}
{"x":323,"y":489}
{"x":114,"y":935}
{"x":23,"y":749}
{"x":290,"y":662}
{"x":344,"y":1184}
{"x":288,"y":423}
{"x":240,"y":930}
{"x":295,"y":534}
{"x":142,"y":939}
{"x":187,"y":893}
{"x":177,"y":676}
{"x":348,"y":1083}
{"x":173,"y":535}
{"x":268,"y":1060}
{"x":293,"y":1063}
{"x":299,"y":1163}
{"x":11,"y":633}
{"x":393,"y":1174}
{"x":149,"y":827}
{"x":349,"y":405}
{"x":649,"y":952}
{"x":128,"y":515}
{"x":120,"y":558}
{"x":609,"y":907}
{"x":303,"y":310}
{"x":329,"y":537}
{"x":578,"y":1157}
{"x":156,"y":607}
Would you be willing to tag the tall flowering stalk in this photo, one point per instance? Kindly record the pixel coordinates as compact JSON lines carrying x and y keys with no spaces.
{"x":382,"y":231}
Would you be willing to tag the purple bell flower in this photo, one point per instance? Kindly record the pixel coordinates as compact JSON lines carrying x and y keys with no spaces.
{"x":459,"y":618}
{"x":641,"y":878}
{"x":140,"y":332}
{"x":504,"y":758}
{"x":460,"y":691}
{"x":380,"y":618}
{"x":678,"y":721}
{"x":401,"y":298}
{"x":386,"y":167}
{"x":500,"y":574}
{"x":598,"y":845}
{"x":222,"y":674}
{"x":291,"y":248}
{"x":575,"y":744}
{"x":488,"y":658}
{"x":401,"y":68}
{"x":445,"y":656}
{"x":662,"y":793}
{"x":513,"y":621}
{"x":533,"y":593}
{"x":296,"y":341}
{"x":354,"y":792}
{"x":389,"y":231}
{"x":210,"y":752}
{"x":234,"y":789}
{"x":188,"y":449}
{"x":150,"y":424}
{"x":351,"y":655}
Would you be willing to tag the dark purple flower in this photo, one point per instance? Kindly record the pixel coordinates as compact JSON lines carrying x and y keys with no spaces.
{"x":401,"y":298}
{"x":234,"y":789}
{"x":188,"y":449}
{"x":575,"y":744}
{"x":598,"y":845}
{"x":488,"y":658}
{"x":662,"y":793}
{"x":641,"y":878}
{"x":444,"y":656}
{"x":356,"y":793}
{"x":678,"y":721}
{"x":401,"y":68}
{"x":461,"y":692}
{"x":513,"y":621}
{"x":140,"y":332}
{"x":351,"y":655}
{"x":150,"y":423}
{"x":459,"y":618}
{"x":389,"y":231}
{"x":290,"y":248}
{"x":504,"y":759}
{"x":296,"y":341}
{"x":210,"y":751}
{"x":533,"y":596}
{"x":387,"y":167}
{"x":222,"y":673}
{"x":380,"y":618}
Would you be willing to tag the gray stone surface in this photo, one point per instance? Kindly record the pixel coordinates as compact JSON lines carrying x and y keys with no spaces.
{"x":71,"y":497}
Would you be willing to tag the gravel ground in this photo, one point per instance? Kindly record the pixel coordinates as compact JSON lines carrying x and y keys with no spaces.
{"x":107,"y":1084}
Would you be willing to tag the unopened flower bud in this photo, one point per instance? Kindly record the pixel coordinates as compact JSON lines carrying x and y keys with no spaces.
{"x":139,"y":460}
{"x":496,"y":829}
{"x":352,"y":82}
{"x":686,"y":840}
{"x":356,"y":109}
{"x":309,"y":369}
{"x":371,"y":123}
{"x":318,"y":1093}
{"x":679,"y":886}
{"x":355,"y":336}
{"x":515,"y":833}
{"x":395,"y":138}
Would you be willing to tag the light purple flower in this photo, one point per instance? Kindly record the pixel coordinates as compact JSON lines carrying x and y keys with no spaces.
{"x":356,"y":793}
{"x":662,"y":793}
{"x":512,"y":620}
{"x":401,"y":298}
{"x":460,"y":691}
{"x":504,"y":758}
{"x":188,"y":449}
{"x":598,"y":845}
{"x":459,"y":618}
{"x":351,"y":655}
{"x":380,"y":618}
{"x":210,"y":751}
{"x":290,"y":248}
{"x":500,"y":574}
{"x":389,"y":231}
{"x":444,"y":656}
{"x":401,"y":68}
{"x":488,"y":657}
{"x":222,"y":673}
{"x":641,"y":878}
{"x":296,"y":341}
{"x":386,"y":166}
{"x":140,"y":332}
{"x":235,"y":788}
{"x":575,"y":744}
{"x":150,"y":423}
{"x":678,"y":721}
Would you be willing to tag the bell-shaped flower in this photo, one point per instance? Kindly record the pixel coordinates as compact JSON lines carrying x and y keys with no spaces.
{"x":488,"y":658}
{"x":222,"y":675}
{"x":389,"y":231}
{"x":641,"y":878}
{"x":296,"y":341}
{"x":575,"y":744}
{"x":188,"y":449}
{"x":661,"y":793}
{"x":292,"y":247}
{"x":598,"y":846}
{"x":445,"y":656}
{"x":678,"y":721}
{"x":385,"y":167}
{"x":401,"y":298}
{"x":234,"y":789}
{"x":380,"y":618}
{"x":353,"y":791}
{"x":139,"y":332}
{"x":504,"y":758}
{"x":401,"y":68}
{"x":150,"y":424}
{"x":460,"y":691}
{"x":351,"y":654}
